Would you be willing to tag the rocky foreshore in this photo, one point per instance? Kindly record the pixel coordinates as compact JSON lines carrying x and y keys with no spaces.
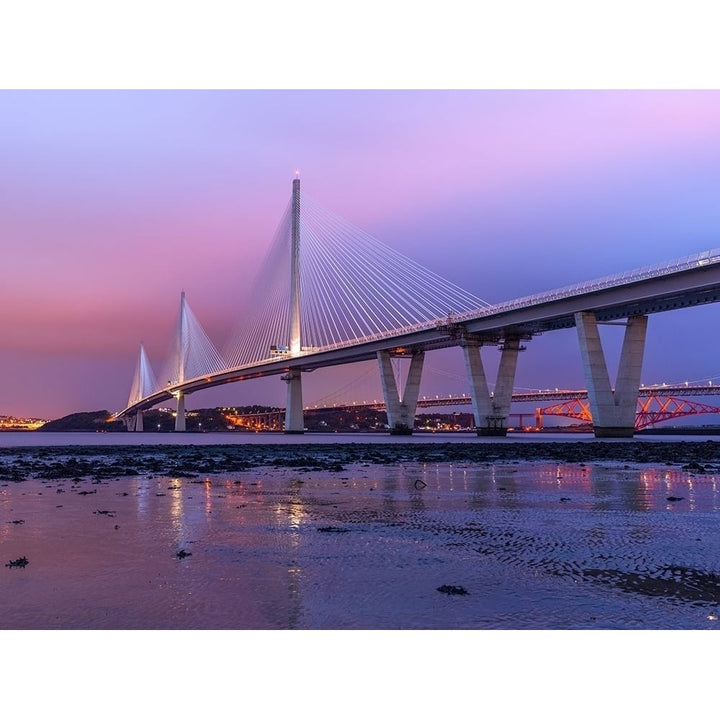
{"x":100,"y":462}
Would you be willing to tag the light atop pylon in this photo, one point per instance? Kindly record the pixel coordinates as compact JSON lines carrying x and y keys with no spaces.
{"x":297,"y":173}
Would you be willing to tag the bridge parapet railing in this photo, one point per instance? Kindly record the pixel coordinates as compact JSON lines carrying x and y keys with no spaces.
{"x":689,"y":262}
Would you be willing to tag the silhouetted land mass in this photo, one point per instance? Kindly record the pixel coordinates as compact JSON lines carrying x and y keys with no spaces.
{"x":98,"y":463}
{"x":251,"y":418}
{"x":96,"y":421}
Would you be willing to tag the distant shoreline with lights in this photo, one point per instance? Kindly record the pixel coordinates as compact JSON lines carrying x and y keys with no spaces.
{"x":235,"y":420}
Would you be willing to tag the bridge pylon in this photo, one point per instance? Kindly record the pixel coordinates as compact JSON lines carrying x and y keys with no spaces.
{"x":144,"y":383}
{"x":294,"y":420}
{"x":613,"y":412}
{"x":400,"y":410}
{"x":491,"y":412}
{"x":182,"y":339}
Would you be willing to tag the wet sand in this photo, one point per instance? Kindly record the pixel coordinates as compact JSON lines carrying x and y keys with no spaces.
{"x":98,"y":462}
{"x":552,"y":535}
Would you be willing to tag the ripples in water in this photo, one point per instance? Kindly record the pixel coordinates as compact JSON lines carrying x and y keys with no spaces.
{"x":532,"y":545}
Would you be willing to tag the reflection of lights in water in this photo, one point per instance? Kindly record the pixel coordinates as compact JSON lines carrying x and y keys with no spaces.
{"x":291,"y":514}
{"x":208,"y":497}
{"x":176,"y":508}
{"x":296,"y":514}
{"x":140,"y":486}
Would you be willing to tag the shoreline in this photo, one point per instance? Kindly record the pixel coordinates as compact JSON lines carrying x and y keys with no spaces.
{"x":22,"y":463}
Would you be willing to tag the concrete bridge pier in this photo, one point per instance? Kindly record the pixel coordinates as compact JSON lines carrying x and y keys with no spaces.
{"x":491,"y":412}
{"x":294,"y":420}
{"x":180,"y":414}
{"x":134,"y":423}
{"x":400,"y":410}
{"x":129,"y":422}
{"x":613,"y":412}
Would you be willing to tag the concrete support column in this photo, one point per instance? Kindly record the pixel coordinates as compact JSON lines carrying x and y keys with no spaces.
{"x":294,"y":420}
{"x":479,"y":392}
{"x":400,"y":410}
{"x":491,"y":413}
{"x":613,"y":412}
{"x":139,"y":421}
{"x":502,"y":396}
{"x":180,"y":415}
{"x":627,"y":384}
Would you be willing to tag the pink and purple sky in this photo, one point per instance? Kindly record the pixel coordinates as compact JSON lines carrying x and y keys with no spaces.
{"x":112,"y":202}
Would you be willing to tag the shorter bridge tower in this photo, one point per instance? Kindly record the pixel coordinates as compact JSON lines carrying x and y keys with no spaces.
{"x":294,"y":420}
{"x":144,"y":384}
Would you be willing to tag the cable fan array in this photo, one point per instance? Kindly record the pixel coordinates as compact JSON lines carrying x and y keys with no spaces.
{"x":144,"y":381}
{"x":193,"y":353}
{"x":353,"y":288}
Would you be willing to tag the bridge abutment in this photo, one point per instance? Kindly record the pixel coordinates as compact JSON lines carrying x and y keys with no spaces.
{"x":139,"y":422}
{"x":294,"y":420}
{"x":400,"y":410}
{"x":491,"y":412}
{"x":613,"y":413}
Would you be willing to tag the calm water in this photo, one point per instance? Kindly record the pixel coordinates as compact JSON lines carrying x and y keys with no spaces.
{"x":533,"y":545}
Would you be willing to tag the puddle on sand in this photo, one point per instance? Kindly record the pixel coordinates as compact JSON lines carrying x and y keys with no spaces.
{"x":534,"y":545}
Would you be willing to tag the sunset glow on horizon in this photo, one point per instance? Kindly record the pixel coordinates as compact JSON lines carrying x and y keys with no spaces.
{"x":113,"y":202}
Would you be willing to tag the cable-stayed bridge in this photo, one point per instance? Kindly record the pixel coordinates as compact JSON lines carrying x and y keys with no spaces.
{"x":330,"y":294}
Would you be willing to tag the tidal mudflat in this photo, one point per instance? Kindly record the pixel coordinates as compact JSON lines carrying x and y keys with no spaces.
{"x":458,"y":536}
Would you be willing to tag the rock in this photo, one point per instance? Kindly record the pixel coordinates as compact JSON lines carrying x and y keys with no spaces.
{"x":453,"y":590}
{"x":331,"y":529}
{"x":20,"y":562}
{"x":672,"y":498}
{"x":183,"y":554}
